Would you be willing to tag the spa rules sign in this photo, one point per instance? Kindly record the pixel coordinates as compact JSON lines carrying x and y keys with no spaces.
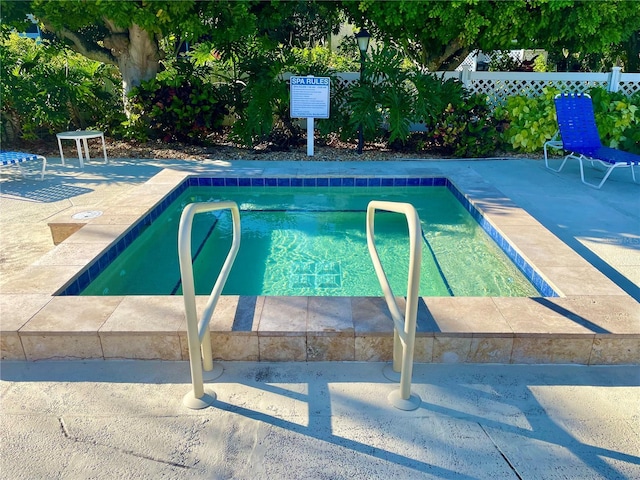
{"x":310,"y":97}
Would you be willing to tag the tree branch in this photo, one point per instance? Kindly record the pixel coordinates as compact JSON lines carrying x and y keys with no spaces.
{"x":453,"y":49}
{"x":82,"y":45}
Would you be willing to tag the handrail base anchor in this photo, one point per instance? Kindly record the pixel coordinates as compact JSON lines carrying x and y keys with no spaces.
{"x":390,"y":374}
{"x":190,"y":401}
{"x":213,"y":374}
{"x":409,"y":404}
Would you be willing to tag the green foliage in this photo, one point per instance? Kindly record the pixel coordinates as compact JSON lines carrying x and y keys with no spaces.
{"x":178,"y":105}
{"x":618,"y":119}
{"x":530,"y":121}
{"x":467,"y":129}
{"x":47,"y":90}
{"x":262,"y":104}
{"x":502,"y":61}
{"x":296,"y":23}
{"x":395,"y":97}
{"x":432,"y":96}
{"x":364,"y":111}
{"x":382,"y":95}
{"x":540,"y":64}
{"x":438,"y":34}
{"x":320,"y":60}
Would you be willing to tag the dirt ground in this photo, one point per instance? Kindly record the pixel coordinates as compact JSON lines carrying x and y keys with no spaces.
{"x":323,"y":151}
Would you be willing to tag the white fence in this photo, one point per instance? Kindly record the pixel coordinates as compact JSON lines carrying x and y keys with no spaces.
{"x":500,"y":85}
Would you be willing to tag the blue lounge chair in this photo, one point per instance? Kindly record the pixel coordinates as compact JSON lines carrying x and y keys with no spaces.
{"x":579,"y":136}
{"x":16,"y":158}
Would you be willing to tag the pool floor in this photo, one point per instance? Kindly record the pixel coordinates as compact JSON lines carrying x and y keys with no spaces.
{"x":311,"y":241}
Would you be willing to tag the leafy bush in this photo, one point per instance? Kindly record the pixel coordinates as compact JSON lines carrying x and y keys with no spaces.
{"x":180,"y":104}
{"x":467,"y":128}
{"x":47,"y":90}
{"x":530,"y":121}
{"x":261,"y":105}
{"x":396,"y":96}
{"x":618,"y":118}
{"x":308,"y":61}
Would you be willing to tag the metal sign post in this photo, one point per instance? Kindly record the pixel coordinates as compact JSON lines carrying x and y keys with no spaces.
{"x":310,"y":99}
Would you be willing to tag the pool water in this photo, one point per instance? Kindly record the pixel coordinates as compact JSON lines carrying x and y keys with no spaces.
{"x":312,"y":242}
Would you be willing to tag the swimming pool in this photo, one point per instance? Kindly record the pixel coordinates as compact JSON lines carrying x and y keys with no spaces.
{"x":306,"y":237}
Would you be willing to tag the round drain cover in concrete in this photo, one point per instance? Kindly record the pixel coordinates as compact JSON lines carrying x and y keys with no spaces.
{"x":87,"y":215}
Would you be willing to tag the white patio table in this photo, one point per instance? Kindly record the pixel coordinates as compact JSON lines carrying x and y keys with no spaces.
{"x":78,"y":136}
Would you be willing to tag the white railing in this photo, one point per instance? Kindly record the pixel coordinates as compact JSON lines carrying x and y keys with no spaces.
{"x":404,"y":327}
{"x":198,"y":335}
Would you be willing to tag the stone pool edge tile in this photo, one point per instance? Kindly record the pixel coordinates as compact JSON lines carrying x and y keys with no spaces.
{"x":144,"y":327}
{"x":615,"y":350}
{"x":330,"y":330}
{"x":67,"y":328}
{"x":233,"y":328}
{"x":15,"y":311}
{"x":41,"y":279}
{"x":282,"y":334}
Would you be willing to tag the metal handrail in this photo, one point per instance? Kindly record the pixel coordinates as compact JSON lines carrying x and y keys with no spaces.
{"x":198,"y":336}
{"x":404,"y":331}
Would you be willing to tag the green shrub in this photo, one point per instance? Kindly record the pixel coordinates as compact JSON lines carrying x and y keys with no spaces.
{"x":381,"y":96}
{"x":46,"y":89}
{"x":308,"y":61}
{"x":180,"y":104}
{"x":530,"y":121}
{"x":261,"y":105}
{"x":467,"y":128}
{"x":395,"y":95}
{"x":618,"y":118}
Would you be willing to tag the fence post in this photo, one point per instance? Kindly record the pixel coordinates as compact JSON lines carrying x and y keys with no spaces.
{"x":614,"y":79}
{"x":465,"y":76}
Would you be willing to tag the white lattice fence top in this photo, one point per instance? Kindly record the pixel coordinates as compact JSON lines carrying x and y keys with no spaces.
{"x":500,"y":85}
{"x":346,"y":79}
{"x":629,"y":88}
{"x":498,"y":90}
{"x":468,"y":62}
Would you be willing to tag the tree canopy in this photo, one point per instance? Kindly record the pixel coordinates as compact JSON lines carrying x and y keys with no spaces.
{"x":135,"y":35}
{"x":440,"y":34}
{"x":436,"y":34}
{"x":129,"y":34}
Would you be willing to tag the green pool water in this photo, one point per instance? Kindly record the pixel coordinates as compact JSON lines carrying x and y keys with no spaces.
{"x":312,"y":241}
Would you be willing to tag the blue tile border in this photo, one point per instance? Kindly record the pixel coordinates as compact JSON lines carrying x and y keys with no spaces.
{"x":96,"y":267}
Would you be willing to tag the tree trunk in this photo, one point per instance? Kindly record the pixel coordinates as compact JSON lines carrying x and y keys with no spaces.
{"x":137,"y":56}
{"x":134,"y":50}
{"x":632,"y":48}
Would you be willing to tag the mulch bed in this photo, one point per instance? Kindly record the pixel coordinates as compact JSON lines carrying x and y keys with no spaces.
{"x":333,"y":150}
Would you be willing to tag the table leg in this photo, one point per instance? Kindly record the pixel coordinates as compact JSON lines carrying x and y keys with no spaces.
{"x":104,"y":149}
{"x":79,"y":147}
{"x":86,"y":149}
{"x":61,"y":152}
{"x":44,"y":166}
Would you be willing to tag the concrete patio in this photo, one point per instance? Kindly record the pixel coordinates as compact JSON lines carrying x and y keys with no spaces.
{"x":124,"y":419}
